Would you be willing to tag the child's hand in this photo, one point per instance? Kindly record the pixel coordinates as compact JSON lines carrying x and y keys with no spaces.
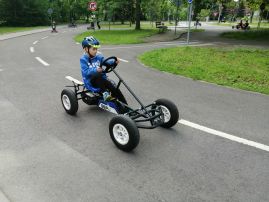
{"x":99,"y":69}
{"x":117,"y":61}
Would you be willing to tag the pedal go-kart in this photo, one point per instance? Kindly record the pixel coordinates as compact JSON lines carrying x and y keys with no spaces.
{"x":123,"y":128}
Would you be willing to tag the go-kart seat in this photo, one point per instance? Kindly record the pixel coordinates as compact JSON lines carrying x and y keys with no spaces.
{"x":88,"y":87}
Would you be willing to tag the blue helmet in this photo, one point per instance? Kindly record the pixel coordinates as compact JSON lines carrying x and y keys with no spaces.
{"x":90,"y":41}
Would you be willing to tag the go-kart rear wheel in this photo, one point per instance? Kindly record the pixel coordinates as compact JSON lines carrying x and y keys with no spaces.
{"x":170,"y":111}
{"x":69,"y":101}
{"x":124,"y":132}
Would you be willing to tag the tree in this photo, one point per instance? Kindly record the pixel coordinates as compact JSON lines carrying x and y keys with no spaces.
{"x":137,"y":14}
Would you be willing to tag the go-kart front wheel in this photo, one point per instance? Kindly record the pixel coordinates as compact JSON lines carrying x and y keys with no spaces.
{"x":124,"y":132}
{"x":170,"y":112}
{"x":69,"y":101}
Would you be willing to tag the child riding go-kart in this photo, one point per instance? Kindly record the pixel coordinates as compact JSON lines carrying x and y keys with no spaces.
{"x":123,"y":128}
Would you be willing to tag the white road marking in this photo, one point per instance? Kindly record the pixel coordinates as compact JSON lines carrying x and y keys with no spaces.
{"x":99,"y":52}
{"x":123,"y":60}
{"x":42,"y":61}
{"x":225,"y":135}
{"x":45,"y":37}
{"x":3,"y":198}
{"x":32,"y":49}
{"x":63,"y":31}
{"x":1,"y":70}
{"x":35,"y":42}
{"x":78,"y":43}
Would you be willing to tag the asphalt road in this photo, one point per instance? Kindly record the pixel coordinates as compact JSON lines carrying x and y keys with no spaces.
{"x":47,"y":155}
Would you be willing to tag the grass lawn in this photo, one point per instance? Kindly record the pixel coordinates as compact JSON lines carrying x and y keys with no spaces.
{"x":261,"y":34}
{"x":246,"y":69}
{"x":5,"y":30}
{"x":118,"y":36}
{"x":197,"y":30}
{"x":143,"y":24}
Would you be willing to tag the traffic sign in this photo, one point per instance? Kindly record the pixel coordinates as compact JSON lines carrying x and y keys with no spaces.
{"x":50,"y":11}
{"x":92,"y":6}
{"x":189,"y":1}
{"x":177,"y":2}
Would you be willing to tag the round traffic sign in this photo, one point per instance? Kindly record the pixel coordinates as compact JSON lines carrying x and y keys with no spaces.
{"x":189,"y":1}
{"x":50,"y":11}
{"x":92,"y":6}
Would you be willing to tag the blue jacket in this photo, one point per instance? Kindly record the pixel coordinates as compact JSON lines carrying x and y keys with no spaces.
{"x":89,"y":68}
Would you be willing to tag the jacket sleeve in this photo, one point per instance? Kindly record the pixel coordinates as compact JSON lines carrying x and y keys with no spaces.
{"x":86,"y":71}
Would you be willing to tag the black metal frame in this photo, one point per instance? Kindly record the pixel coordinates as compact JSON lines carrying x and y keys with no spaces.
{"x":147,"y":117}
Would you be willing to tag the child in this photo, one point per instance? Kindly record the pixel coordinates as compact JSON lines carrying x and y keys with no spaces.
{"x":92,"y":73}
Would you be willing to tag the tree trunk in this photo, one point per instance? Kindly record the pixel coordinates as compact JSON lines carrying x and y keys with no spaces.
{"x":138,"y":13}
{"x":251,"y":17}
{"x":220,"y":12}
{"x":260,"y":19}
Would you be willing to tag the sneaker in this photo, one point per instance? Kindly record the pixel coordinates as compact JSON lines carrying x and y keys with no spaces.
{"x":107,"y":96}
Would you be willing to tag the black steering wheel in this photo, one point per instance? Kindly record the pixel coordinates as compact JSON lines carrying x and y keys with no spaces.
{"x":109,"y":67}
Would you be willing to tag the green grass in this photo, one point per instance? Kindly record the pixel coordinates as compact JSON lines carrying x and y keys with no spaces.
{"x":5,"y":30}
{"x":262,"y":34}
{"x":143,"y":24}
{"x":246,"y":69}
{"x":197,"y":30}
{"x":118,"y":36}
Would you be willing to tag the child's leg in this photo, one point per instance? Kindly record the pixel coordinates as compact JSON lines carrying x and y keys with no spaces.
{"x":104,"y":85}
{"x":98,"y":82}
{"x":115,"y":92}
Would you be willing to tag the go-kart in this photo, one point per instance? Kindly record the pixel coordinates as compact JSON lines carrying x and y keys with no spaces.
{"x":241,"y":26}
{"x":123,"y":127}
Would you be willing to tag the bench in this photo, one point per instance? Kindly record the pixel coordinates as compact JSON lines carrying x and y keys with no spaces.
{"x":160,"y":26}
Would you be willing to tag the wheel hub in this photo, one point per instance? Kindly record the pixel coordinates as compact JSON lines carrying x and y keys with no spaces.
{"x":66,"y":102}
{"x":166,"y":113}
{"x":121,"y":134}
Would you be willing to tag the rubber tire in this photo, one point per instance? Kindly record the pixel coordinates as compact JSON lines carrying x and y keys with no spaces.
{"x":129,"y":124}
{"x":173,"y":111}
{"x":73,"y":101}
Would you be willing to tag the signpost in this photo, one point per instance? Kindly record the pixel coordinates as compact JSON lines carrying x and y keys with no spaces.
{"x":50,"y":11}
{"x":190,"y":12}
{"x":177,"y":2}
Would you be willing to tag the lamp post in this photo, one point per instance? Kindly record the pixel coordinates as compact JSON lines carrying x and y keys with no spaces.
{"x":237,"y":5}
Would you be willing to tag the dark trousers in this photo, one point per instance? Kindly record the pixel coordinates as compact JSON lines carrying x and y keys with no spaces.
{"x":98,"y":25}
{"x":106,"y":85}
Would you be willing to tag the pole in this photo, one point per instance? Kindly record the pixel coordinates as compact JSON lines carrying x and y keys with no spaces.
{"x":176,"y":20}
{"x":190,"y":11}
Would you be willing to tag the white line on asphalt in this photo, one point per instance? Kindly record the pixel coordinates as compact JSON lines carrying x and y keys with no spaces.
{"x":42,"y":61}
{"x":225,"y":135}
{"x":32,"y":49}
{"x":123,"y":60}
{"x":63,"y":31}
{"x":3,"y":197}
{"x":78,"y":43}
{"x":1,"y":70}
{"x":35,"y":42}
{"x":45,"y":37}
